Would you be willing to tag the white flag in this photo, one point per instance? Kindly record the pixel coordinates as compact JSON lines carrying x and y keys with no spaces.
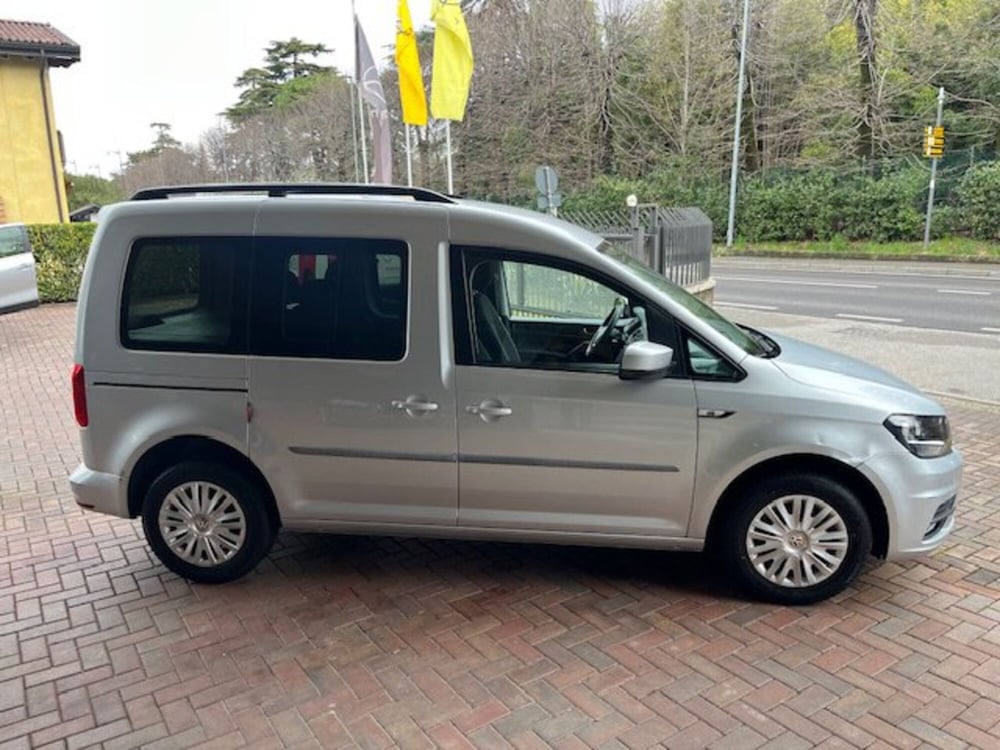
{"x":366,"y":75}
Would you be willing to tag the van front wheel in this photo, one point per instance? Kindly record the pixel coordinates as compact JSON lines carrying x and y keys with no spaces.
{"x":206,"y":522}
{"x":796,"y":539}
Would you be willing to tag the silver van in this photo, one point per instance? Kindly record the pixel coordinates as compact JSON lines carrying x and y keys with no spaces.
{"x":18,"y":285}
{"x":387,"y":360}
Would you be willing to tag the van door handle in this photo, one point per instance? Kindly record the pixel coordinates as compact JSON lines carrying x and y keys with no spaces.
{"x":415,"y":406}
{"x":490,"y":410}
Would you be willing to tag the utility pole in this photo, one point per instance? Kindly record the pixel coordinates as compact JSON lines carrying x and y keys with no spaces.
{"x":934,"y":162}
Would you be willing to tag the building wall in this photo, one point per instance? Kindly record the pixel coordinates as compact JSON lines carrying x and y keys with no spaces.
{"x":28,"y":189}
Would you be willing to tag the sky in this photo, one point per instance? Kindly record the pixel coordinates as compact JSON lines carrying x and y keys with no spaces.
{"x":175,"y":61}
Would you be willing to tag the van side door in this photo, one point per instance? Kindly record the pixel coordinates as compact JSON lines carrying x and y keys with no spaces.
{"x":352,"y":394}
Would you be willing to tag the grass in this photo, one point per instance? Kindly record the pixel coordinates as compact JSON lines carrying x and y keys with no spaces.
{"x":950,"y":248}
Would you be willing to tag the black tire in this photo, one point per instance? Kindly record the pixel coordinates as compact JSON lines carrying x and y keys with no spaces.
{"x":238,"y":532}
{"x":770,"y":579}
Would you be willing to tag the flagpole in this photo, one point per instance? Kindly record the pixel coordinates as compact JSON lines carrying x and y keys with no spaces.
{"x":354,"y":136}
{"x":409,"y":157}
{"x":361,"y":101}
{"x":447,"y":135}
{"x":364,"y":136}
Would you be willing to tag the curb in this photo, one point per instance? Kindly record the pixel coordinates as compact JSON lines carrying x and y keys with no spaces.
{"x":966,"y":399}
{"x":832,"y":255}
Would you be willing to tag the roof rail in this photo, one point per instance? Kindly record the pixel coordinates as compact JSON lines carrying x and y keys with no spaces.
{"x":280,"y":190}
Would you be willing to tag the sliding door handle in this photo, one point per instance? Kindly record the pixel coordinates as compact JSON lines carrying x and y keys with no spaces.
{"x":415,"y":406}
{"x":490,"y":410}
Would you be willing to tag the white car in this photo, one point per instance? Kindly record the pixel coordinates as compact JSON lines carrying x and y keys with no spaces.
{"x":18,"y":286}
{"x":400,"y":362}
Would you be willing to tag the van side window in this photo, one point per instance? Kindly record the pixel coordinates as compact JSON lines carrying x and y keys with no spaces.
{"x":338,"y":298}
{"x":526,"y":310}
{"x":705,"y":364}
{"x":537,"y":291}
{"x":186,"y":294}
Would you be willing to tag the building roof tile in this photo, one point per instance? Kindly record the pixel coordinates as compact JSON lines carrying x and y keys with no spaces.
{"x":32,"y":39}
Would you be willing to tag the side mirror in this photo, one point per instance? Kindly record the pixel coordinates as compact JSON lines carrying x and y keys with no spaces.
{"x":644,"y":360}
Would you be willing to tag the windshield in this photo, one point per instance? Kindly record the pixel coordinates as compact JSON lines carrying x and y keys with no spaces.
{"x":746,"y":339}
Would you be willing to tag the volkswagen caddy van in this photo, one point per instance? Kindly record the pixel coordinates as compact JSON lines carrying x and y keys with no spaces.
{"x":387,"y":360}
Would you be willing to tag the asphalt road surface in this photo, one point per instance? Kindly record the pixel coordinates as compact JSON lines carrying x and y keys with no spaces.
{"x":941,"y":296}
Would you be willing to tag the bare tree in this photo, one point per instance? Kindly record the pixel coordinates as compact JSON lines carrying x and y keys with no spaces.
{"x":533,"y":98}
{"x":643,"y":90}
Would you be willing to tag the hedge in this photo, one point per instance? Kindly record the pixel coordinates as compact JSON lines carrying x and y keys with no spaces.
{"x":821,"y":204}
{"x":978,"y":201}
{"x":60,"y":251}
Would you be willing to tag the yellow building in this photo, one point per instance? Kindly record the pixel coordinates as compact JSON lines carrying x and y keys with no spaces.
{"x":32,"y":184}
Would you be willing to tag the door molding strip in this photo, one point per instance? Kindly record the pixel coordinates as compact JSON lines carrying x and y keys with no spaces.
{"x":564,"y":463}
{"x":447,"y":458}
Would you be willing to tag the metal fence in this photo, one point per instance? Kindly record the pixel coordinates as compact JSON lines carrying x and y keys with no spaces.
{"x":676,"y":242}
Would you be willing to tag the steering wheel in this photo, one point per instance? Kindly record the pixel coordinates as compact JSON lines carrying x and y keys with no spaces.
{"x":604,"y":330}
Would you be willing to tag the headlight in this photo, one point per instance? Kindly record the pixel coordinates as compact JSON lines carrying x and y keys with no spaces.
{"x":924,"y":437}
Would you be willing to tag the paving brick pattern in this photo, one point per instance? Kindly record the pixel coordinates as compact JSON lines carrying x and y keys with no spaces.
{"x":353,"y":642}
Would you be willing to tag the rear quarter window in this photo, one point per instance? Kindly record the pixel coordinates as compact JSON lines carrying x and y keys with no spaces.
{"x":186,"y":294}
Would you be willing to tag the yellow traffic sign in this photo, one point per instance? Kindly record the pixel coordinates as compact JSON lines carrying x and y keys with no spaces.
{"x":933,"y":141}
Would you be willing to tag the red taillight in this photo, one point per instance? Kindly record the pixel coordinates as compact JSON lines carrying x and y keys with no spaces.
{"x":79,"y":396}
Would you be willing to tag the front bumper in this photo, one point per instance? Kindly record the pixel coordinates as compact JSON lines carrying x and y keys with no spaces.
{"x":919,"y":495}
{"x":97,"y":491}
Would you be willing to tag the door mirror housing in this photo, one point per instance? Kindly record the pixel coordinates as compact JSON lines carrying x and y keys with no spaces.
{"x":644,"y":360}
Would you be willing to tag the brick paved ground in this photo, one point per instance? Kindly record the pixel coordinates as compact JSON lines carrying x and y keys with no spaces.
{"x":338,"y":642}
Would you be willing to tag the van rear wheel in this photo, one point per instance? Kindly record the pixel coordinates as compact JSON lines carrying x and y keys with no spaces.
{"x":206,"y":522}
{"x":796,"y":539}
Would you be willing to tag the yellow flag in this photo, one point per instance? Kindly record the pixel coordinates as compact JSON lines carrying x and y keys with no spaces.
{"x":452,"y":70}
{"x":411,"y":78}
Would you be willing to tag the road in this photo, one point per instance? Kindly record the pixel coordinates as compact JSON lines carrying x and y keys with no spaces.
{"x":942,"y":296}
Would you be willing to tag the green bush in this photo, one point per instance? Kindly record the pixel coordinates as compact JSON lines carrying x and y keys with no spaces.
{"x":783,"y":208}
{"x":669,"y":186}
{"x":947,"y":222}
{"x":680,"y":184}
{"x":976,"y":197}
{"x":605,"y":194}
{"x":886,"y":203}
{"x":822,"y":204}
{"x":60,"y":251}
{"x":889,"y":208}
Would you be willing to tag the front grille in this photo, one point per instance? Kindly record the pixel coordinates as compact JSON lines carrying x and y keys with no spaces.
{"x":941,"y":517}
